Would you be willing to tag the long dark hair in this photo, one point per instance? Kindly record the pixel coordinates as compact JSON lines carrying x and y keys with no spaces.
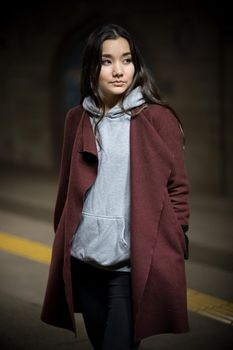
{"x":91,"y":66}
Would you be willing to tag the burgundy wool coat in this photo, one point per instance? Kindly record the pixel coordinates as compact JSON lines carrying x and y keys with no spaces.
{"x":159,"y":208}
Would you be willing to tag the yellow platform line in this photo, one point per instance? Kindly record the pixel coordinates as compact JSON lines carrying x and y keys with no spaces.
{"x":201,"y":303}
{"x":24,"y":247}
{"x":210,"y":306}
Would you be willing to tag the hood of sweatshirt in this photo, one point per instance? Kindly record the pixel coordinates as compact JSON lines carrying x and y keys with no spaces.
{"x":134,"y":99}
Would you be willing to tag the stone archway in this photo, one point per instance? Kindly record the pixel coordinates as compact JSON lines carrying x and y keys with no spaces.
{"x":65,"y":85}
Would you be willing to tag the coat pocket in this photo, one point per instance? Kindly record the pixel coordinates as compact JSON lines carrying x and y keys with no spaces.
{"x":183,"y":238}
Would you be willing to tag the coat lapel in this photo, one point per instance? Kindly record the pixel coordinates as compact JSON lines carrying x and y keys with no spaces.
{"x":85,"y":139}
{"x":84,"y":166}
{"x":150,"y":168}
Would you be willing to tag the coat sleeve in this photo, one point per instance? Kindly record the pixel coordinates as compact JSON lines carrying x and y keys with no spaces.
{"x":68,"y":140}
{"x":178,"y":183}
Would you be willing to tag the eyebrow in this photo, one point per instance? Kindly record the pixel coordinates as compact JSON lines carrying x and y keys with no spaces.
{"x":109,"y":55}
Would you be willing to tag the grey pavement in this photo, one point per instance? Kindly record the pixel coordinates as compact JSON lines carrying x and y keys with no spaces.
{"x":26,"y":209}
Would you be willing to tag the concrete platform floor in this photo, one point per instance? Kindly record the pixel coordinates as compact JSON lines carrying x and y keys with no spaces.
{"x":26,"y":209}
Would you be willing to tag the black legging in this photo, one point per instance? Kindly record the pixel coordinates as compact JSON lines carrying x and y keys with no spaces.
{"x":105,"y":300}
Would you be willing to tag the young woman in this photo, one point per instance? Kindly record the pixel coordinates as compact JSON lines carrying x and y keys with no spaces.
{"x":122,"y":205}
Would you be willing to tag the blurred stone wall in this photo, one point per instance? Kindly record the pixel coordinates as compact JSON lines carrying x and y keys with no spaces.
{"x":188,"y":49}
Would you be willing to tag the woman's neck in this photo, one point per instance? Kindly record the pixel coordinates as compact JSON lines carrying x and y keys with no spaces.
{"x":110,"y":103}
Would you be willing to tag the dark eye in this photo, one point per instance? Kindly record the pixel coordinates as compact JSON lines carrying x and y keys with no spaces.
{"x":105,"y":62}
{"x":127,"y":60}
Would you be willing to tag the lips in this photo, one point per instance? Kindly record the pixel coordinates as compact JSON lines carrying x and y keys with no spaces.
{"x":118,"y":82}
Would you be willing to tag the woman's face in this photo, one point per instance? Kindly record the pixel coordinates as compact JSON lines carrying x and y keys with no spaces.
{"x":117,"y":70}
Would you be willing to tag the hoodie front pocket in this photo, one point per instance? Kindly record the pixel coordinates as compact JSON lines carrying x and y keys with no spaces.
{"x":101,"y":239}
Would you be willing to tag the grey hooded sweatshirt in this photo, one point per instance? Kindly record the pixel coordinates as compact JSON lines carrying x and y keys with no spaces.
{"x":103,"y":234}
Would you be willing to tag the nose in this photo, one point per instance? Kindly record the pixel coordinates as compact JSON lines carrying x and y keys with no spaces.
{"x":117,"y":70}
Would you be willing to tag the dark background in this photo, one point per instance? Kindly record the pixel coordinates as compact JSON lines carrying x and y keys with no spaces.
{"x":187,"y":45}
